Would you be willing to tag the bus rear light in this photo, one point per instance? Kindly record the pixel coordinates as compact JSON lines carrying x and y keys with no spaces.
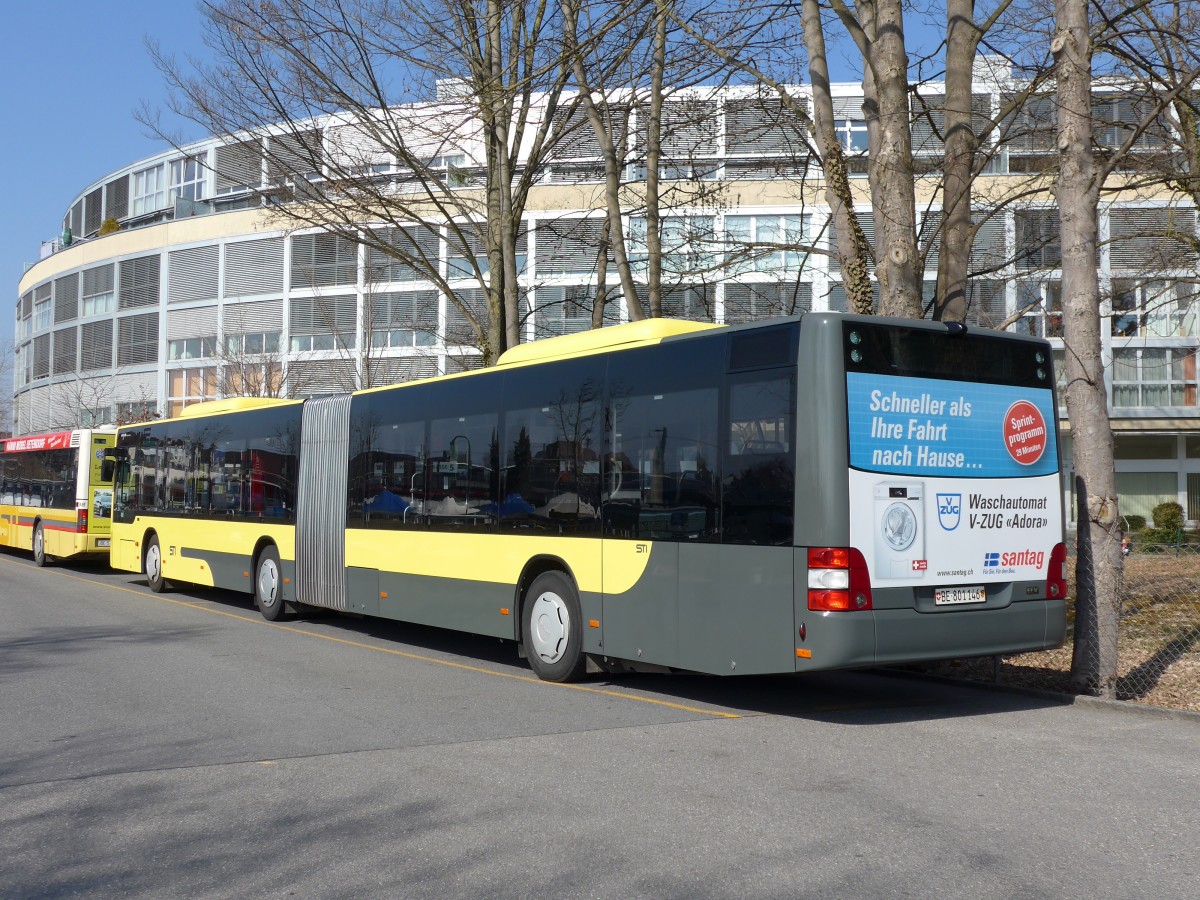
{"x":81,"y":520}
{"x":838,"y":580}
{"x":1056,"y":576}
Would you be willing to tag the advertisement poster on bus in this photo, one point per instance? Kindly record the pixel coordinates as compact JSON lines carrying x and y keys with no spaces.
{"x":952,"y":481}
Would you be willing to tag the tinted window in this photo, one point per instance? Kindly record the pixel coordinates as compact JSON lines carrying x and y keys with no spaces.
{"x":235,"y":465}
{"x":553,"y":438}
{"x":387,"y":460}
{"x":922,"y":353}
{"x":759,"y":462}
{"x":41,"y":478}
{"x":661,"y":464}
{"x":462,"y":478}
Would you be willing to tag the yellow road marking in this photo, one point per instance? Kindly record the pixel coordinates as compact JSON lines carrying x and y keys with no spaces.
{"x":530,"y":679}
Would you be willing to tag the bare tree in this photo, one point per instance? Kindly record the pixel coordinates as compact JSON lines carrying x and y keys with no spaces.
{"x":339,"y":96}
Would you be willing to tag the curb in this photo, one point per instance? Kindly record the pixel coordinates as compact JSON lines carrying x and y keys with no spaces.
{"x":1127,"y":707}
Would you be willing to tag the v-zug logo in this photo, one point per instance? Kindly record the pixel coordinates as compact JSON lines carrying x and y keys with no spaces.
{"x":949,"y":507}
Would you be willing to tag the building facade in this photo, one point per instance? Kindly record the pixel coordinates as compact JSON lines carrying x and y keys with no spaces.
{"x":177,"y":280}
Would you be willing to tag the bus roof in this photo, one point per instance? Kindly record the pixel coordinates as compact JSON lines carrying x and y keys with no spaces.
{"x":230,"y":405}
{"x":647,"y":331}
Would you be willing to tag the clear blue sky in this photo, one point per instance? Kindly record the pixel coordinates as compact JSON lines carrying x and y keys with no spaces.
{"x":73,"y":74}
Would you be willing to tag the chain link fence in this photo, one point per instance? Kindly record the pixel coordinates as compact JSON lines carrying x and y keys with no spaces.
{"x":1158,"y":636}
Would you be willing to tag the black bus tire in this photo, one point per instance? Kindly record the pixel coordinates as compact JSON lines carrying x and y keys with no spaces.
{"x":268,"y":584}
{"x":39,"y":546}
{"x":152,"y":565}
{"x":553,"y":628}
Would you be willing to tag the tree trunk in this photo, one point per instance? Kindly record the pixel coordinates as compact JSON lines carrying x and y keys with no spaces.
{"x":653,"y":155}
{"x":851,"y":242}
{"x":601,"y":298}
{"x":962,"y":40}
{"x":1098,"y":585}
{"x":885,"y":87}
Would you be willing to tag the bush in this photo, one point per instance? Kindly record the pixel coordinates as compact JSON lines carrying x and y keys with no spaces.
{"x":109,"y":226}
{"x":1168,"y":516}
{"x":1156,"y":538}
{"x":1134,"y":523}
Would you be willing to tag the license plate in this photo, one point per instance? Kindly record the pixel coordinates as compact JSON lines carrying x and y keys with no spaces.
{"x":102,"y":542}
{"x":956,"y":596}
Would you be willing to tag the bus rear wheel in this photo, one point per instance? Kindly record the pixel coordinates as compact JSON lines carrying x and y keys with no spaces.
{"x":39,"y":546}
{"x":153,"y":566}
{"x":268,"y":585}
{"x":553,"y":628}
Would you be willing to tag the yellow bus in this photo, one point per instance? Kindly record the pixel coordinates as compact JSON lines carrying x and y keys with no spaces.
{"x":54,"y":499}
{"x":799,"y":494}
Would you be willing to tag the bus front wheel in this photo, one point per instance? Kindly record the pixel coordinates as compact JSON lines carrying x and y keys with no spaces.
{"x":153,"y":566}
{"x":39,"y":546}
{"x":268,"y":585}
{"x":554,"y":628}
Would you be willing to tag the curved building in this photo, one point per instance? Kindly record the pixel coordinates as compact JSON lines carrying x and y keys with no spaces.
{"x":176,"y":279}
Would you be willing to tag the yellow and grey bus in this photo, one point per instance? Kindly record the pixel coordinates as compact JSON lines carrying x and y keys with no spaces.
{"x":818,"y":492}
{"x":54,"y":500}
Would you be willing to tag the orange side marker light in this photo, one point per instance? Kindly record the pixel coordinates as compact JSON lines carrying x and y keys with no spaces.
{"x":383,"y":595}
{"x":593,"y":623}
{"x":803,"y":654}
{"x":504,"y":610}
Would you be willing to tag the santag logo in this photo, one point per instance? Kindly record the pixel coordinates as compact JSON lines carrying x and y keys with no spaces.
{"x":949,"y":507}
{"x":991,"y":560}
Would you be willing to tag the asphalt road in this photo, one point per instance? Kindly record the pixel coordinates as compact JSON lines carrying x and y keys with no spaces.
{"x":178,"y":745}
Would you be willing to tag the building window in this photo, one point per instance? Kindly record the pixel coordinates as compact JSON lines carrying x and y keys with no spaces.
{"x":192,"y":348}
{"x":853,"y":134}
{"x":765,"y":243}
{"x":252,"y":344}
{"x":91,"y":416}
{"x":41,"y":315}
{"x":98,"y":293}
{"x":1155,"y":308}
{"x":687,"y":242}
{"x":1154,"y":377}
{"x":188,"y":386}
{"x":187,"y":178}
{"x":149,"y":190}
{"x":1140,"y":492}
{"x":403,"y":319}
{"x":1038,"y":244}
{"x":1042,"y":303}
{"x":323,"y":323}
{"x":137,"y":340}
{"x":136,"y":411}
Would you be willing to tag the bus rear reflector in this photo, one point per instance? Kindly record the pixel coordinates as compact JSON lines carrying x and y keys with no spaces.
{"x":81,"y":520}
{"x":838,"y":580}
{"x":1056,"y":576}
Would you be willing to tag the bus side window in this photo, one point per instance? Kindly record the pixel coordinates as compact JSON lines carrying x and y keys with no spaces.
{"x":760,"y":478}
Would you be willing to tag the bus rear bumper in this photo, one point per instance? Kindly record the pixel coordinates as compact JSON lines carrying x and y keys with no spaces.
{"x":892,"y":636}
{"x":905,"y":635}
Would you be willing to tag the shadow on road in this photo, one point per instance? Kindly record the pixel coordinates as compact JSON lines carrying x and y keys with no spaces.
{"x":864,"y":697}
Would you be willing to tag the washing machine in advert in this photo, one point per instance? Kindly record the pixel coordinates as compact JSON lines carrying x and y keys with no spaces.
{"x":900,"y":535}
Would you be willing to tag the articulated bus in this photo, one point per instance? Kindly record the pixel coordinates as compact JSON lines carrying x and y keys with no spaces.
{"x":54,"y":499}
{"x":818,"y":492}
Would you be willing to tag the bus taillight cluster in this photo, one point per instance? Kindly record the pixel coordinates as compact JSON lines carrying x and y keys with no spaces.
{"x":1056,"y":577}
{"x":838,"y":580}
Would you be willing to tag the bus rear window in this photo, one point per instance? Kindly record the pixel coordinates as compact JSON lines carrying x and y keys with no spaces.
{"x":924,"y":353}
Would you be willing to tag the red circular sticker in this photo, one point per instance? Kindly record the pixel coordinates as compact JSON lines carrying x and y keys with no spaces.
{"x":1025,"y":432}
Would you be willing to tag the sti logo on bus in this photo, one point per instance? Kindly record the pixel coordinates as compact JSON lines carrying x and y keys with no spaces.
{"x":949,"y":507}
